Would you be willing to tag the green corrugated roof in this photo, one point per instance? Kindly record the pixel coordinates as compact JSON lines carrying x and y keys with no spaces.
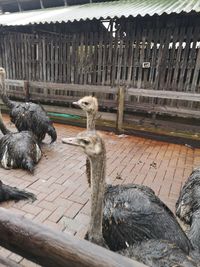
{"x":102,"y":10}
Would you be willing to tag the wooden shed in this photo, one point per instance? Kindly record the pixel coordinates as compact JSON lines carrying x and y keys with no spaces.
{"x":150,"y":49}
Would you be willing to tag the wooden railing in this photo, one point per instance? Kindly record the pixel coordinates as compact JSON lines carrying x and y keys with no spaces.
{"x":117,"y":101}
{"x":51,"y":248}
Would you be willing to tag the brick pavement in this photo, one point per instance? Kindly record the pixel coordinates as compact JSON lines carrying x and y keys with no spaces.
{"x":60,"y":185}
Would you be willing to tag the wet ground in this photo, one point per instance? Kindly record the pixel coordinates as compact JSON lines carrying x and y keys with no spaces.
{"x":60,"y":184}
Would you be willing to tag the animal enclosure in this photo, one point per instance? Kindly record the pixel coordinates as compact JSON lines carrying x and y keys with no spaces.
{"x":160,"y":53}
{"x":157,"y":53}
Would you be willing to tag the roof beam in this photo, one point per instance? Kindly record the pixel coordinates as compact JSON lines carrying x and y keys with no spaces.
{"x":19,"y":6}
{"x":41,"y":4}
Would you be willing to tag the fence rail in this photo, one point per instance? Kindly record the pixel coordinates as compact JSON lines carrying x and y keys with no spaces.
{"x":118,"y":99}
{"x":51,"y":248}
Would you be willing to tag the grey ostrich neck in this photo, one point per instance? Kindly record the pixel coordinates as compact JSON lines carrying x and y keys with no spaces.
{"x":98,"y":167}
{"x":2,"y":126}
{"x":2,"y":83}
{"x":91,"y":117}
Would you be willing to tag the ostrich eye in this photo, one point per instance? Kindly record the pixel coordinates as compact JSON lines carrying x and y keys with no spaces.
{"x":86,"y":142}
{"x":86,"y":103}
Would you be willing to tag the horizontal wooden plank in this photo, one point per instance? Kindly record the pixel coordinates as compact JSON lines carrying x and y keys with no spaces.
{"x":19,"y":83}
{"x":69,"y":99}
{"x":74,"y":87}
{"x":174,"y":111}
{"x":163,"y":94}
{"x":51,"y":248}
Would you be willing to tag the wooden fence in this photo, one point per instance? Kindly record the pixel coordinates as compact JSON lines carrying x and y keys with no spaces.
{"x":118,"y":101}
{"x":160,"y":53}
{"x":51,"y":248}
{"x":151,"y":53}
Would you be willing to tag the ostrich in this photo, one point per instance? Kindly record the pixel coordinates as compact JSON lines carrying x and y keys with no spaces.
{"x":126,"y":214}
{"x":12,"y":193}
{"x":158,"y":253}
{"x":188,"y":207}
{"x":18,"y":150}
{"x":90,"y":105}
{"x":28,"y":116}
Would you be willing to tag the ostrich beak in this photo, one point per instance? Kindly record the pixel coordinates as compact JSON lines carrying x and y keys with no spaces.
{"x":73,"y":141}
{"x":76,"y":103}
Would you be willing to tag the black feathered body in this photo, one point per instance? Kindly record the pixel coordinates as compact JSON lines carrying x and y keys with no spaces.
{"x":19,"y":150}
{"x":133,"y":213}
{"x":12,"y":193}
{"x":188,"y":207}
{"x":189,"y":198}
{"x":158,"y":253}
{"x":30,"y":117}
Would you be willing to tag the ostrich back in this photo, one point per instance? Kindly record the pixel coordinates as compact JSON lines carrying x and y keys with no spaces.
{"x":189,"y":198}
{"x":32,"y":117}
{"x":19,"y":150}
{"x":133,"y":213}
{"x":158,"y":253}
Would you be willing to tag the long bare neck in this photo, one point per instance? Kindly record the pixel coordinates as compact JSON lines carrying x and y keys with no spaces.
{"x":2,"y":126}
{"x":91,"y":117}
{"x":2,"y":82}
{"x":98,"y":167}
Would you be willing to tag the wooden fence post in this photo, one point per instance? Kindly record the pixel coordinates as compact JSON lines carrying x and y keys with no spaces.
{"x":26,"y":91}
{"x":120,"y":108}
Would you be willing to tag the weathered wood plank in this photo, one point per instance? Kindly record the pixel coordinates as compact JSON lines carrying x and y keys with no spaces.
{"x":178,"y":58}
{"x":119,"y":59}
{"x":120,"y":108}
{"x":136,"y":56}
{"x":192,"y":58}
{"x":19,"y":83}
{"x":51,"y":248}
{"x":99,"y":63}
{"x":184,"y":61}
{"x":171,"y":59}
{"x":196,"y":72}
{"x":73,"y":87}
{"x":141,"y":59}
{"x":164,"y":94}
{"x":110,"y":51}
{"x":131,"y":53}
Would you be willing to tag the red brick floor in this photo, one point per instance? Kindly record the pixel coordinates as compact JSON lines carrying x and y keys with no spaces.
{"x":60,"y":185}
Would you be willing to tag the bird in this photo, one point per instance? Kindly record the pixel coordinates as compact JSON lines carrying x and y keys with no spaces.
{"x":122,"y":215}
{"x":12,"y":193}
{"x":28,"y":116}
{"x":90,"y":105}
{"x":19,"y":149}
{"x":188,"y":207}
{"x":159,"y":253}
{"x":163,"y":252}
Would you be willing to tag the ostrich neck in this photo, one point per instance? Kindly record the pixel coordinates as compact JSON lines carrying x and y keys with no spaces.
{"x":2,"y":82}
{"x":98,"y":166}
{"x":2,"y":126}
{"x":91,"y":121}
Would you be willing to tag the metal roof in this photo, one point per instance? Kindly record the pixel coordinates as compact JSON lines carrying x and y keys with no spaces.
{"x":102,"y":10}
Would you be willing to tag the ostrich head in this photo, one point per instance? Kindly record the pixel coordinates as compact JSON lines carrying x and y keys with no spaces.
{"x":91,"y":143}
{"x":2,"y":71}
{"x":88,"y":103}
